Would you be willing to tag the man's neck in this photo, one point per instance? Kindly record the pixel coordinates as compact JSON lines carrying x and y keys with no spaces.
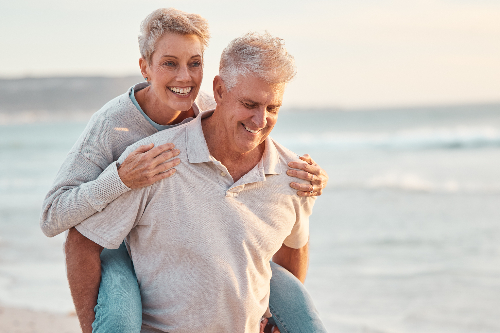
{"x":158,"y":113}
{"x":237,"y":164}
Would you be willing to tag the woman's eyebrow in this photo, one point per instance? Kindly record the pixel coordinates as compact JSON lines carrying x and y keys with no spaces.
{"x":172,"y":56}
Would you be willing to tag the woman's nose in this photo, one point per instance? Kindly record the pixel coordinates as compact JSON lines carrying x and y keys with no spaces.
{"x":183,"y":74}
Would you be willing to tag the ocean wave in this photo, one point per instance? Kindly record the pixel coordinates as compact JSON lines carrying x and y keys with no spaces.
{"x":40,"y":116}
{"x":409,"y":182}
{"x":419,"y":138}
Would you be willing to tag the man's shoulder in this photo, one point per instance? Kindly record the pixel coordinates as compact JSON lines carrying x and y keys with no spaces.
{"x":285,"y":154}
{"x":175,"y":135}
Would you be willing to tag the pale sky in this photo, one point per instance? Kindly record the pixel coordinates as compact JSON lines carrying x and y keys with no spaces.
{"x":349,"y":53}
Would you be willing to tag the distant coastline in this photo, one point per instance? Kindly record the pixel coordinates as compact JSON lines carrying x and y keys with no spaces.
{"x":76,"y":98}
{"x":53,"y":94}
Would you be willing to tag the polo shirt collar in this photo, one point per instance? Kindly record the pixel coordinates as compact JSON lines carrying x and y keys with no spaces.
{"x":270,"y":161}
{"x":197,"y":149}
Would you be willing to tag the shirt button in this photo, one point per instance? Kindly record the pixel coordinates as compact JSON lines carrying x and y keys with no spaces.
{"x":222,"y":173}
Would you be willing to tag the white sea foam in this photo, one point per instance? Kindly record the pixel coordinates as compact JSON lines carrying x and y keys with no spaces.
{"x":411,"y":182}
{"x":417,"y":138}
{"x":37,"y":116}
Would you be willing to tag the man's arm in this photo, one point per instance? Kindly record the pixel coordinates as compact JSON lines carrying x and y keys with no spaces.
{"x":83,"y":263}
{"x":296,"y":261}
{"x":85,"y":243}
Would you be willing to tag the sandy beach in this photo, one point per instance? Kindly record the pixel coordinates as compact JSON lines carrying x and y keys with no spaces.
{"x":14,"y":320}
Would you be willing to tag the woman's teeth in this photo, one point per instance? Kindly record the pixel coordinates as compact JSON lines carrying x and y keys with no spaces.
{"x":251,"y":131}
{"x":180,"y":91}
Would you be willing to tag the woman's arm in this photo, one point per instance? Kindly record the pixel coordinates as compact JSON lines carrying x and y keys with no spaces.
{"x":82,"y":188}
{"x":311,"y":171}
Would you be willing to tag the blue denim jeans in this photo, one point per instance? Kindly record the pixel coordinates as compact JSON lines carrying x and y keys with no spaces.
{"x":119,"y":307}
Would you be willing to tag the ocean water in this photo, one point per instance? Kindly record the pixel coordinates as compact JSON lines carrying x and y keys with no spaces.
{"x":406,"y":237}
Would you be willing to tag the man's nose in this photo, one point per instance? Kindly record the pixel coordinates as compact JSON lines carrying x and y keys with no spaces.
{"x":259,"y":117}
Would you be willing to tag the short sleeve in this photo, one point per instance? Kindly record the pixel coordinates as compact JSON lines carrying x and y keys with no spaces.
{"x":110,"y":227}
{"x":300,"y":231}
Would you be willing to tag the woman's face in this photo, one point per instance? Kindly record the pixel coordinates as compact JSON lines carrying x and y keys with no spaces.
{"x":175,"y":70}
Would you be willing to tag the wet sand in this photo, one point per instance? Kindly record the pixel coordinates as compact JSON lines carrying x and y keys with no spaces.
{"x":14,"y":320}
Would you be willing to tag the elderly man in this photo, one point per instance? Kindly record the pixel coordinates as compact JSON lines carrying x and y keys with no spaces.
{"x":201,"y":242}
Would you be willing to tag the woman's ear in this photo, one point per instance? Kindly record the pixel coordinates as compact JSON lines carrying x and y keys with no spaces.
{"x":143,"y":65}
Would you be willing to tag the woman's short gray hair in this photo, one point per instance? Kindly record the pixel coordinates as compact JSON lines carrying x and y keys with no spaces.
{"x":259,"y":54}
{"x":165,"y":20}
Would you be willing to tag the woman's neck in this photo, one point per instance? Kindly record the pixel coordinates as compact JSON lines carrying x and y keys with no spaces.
{"x":157,"y":111}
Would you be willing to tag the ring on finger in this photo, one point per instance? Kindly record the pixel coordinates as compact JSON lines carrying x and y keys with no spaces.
{"x":312,"y":189}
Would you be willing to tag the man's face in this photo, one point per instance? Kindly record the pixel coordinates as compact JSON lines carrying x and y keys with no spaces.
{"x":250,"y":111}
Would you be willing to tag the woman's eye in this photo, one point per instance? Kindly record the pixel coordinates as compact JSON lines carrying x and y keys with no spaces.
{"x":196,"y":64}
{"x":169,"y":63}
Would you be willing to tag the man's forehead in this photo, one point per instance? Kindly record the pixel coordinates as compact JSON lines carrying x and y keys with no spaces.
{"x":259,"y":91}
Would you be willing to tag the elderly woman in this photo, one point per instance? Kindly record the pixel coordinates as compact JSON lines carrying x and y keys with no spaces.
{"x":106,"y":293}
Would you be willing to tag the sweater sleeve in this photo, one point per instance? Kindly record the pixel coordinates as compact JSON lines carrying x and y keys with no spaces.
{"x":124,"y":213}
{"x":80,"y":190}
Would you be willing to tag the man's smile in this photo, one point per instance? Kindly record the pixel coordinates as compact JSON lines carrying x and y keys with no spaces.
{"x":252,"y":131}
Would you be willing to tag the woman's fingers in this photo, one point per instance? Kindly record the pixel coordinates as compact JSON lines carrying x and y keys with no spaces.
{"x":307,"y":159}
{"x":162,"y":175}
{"x":148,"y":164}
{"x":302,"y":174}
{"x":307,"y":190}
{"x":305,"y":171}
{"x":313,"y":169}
{"x":164,"y":156}
{"x":143,"y":149}
{"x":310,"y":171}
{"x":263,"y":324}
{"x":158,"y":150}
{"x":164,"y":167}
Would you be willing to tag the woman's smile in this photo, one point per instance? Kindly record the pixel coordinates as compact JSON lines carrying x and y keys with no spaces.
{"x":180,"y":91}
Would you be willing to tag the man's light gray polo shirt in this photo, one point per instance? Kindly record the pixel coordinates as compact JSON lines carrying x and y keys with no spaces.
{"x":200,"y":243}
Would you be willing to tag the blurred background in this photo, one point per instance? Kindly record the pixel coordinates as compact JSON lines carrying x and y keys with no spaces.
{"x":398,"y":100}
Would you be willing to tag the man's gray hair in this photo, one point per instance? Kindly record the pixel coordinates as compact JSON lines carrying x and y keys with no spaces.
{"x":165,"y":20}
{"x":259,"y":54}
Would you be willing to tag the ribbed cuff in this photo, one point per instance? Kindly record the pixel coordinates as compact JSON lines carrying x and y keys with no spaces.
{"x":96,"y":238}
{"x":105,"y":189}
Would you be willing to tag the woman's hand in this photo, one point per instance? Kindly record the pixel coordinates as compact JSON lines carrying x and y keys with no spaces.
{"x":268,"y":328}
{"x":308,"y":170}
{"x":147,"y":165}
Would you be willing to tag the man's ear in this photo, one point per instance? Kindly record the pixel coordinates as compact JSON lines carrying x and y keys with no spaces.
{"x":219,"y":89}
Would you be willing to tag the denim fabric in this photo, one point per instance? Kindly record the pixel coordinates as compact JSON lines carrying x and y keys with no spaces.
{"x":119,"y":308}
{"x":291,"y":306}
